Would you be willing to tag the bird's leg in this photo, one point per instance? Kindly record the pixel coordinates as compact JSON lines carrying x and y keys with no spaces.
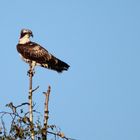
{"x":32,"y":68}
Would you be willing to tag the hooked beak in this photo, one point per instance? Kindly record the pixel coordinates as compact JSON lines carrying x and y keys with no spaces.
{"x":31,"y":34}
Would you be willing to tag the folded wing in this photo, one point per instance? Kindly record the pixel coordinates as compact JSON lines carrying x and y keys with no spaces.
{"x":34,"y":52}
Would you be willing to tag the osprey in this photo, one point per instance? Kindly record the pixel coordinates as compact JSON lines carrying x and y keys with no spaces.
{"x":35,"y":54}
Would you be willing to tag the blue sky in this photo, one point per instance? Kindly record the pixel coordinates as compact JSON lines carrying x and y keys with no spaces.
{"x":99,"y":97}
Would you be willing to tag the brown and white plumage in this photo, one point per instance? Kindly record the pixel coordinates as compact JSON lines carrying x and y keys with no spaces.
{"x":33,"y":52}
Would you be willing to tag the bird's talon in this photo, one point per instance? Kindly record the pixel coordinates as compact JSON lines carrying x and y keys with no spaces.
{"x":30,"y":72}
{"x":33,"y":72}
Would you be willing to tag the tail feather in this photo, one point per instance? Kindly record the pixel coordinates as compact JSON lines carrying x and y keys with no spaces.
{"x":56,"y":64}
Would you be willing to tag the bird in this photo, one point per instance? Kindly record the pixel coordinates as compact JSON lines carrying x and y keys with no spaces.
{"x":36,"y":55}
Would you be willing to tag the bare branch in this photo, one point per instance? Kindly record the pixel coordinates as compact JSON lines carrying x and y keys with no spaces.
{"x":46,"y":113}
{"x":31,"y":73}
{"x":22,"y":104}
{"x":60,"y":134}
{"x":35,"y":89}
{"x":3,"y":125}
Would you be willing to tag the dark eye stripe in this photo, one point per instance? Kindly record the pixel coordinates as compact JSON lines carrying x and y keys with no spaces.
{"x":22,"y":34}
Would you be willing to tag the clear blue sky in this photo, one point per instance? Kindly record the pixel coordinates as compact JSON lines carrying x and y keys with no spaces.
{"x":99,"y":97}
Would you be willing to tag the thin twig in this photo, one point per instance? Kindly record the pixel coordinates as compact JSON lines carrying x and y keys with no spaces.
{"x":33,"y":111}
{"x":35,"y":89}
{"x":3,"y":125}
{"x":61,"y":135}
{"x":22,"y":104}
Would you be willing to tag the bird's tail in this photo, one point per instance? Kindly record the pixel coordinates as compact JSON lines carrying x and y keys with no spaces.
{"x":56,"y":64}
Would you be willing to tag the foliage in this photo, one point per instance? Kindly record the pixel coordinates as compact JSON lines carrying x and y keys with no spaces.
{"x":20,"y":125}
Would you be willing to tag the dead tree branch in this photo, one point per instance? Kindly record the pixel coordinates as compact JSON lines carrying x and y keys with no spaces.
{"x":31,"y":73}
{"x":35,"y":89}
{"x":60,"y":134}
{"x":24,"y":124}
{"x":46,"y":113}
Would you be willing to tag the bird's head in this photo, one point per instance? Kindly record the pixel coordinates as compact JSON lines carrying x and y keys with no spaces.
{"x":25,"y":35}
{"x":26,"y":32}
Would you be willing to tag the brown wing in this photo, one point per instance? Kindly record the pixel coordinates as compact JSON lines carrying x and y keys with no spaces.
{"x":35,"y":52}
